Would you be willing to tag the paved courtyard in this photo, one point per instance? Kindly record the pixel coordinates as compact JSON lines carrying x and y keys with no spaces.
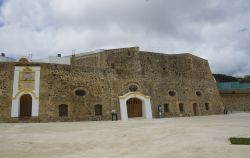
{"x":196,"y":137}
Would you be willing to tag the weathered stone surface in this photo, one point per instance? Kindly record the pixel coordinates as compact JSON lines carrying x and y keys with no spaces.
{"x":6,"y":81}
{"x":108,"y":74}
{"x":237,"y":101}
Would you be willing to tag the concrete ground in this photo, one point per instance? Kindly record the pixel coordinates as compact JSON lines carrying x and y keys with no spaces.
{"x":196,"y":137}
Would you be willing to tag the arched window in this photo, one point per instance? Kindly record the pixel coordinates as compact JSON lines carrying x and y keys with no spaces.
{"x":63,"y":110}
{"x":98,"y":110}
{"x":181,"y":107}
{"x":207,"y":106}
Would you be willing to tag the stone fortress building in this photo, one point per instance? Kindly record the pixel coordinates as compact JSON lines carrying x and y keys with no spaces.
{"x":88,"y":86}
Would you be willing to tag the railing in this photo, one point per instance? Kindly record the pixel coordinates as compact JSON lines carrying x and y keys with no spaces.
{"x":232,"y":86}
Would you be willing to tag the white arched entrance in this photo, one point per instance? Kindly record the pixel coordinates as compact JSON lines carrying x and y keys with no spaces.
{"x":15,"y":109}
{"x":26,"y":82}
{"x":146,"y":104}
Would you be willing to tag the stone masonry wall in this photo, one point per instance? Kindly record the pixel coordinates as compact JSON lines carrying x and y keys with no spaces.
{"x":236,"y":101}
{"x":58,"y":86}
{"x":185,"y":74}
{"x":6,"y":83}
{"x":156,"y":74}
{"x":107,"y":75}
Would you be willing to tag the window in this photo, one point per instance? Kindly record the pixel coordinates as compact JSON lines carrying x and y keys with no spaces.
{"x":80,"y":92}
{"x":133,"y":88}
{"x":129,"y":54}
{"x":207,"y":106}
{"x":172,"y":93}
{"x":112,"y":66}
{"x":98,"y":110}
{"x":63,"y":110}
{"x":181,"y":107}
{"x":198,"y":93}
{"x":166,"y":107}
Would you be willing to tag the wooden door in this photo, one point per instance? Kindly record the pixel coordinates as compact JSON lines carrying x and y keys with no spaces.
{"x":134,"y":107}
{"x":25,"y":106}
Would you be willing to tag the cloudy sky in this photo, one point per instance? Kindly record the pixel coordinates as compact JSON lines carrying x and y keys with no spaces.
{"x":217,"y":30}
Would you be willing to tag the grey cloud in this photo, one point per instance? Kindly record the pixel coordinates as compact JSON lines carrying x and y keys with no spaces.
{"x":244,"y":29}
{"x":216,"y":30}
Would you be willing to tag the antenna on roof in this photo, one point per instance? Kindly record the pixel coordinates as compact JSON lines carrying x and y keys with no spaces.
{"x":30,"y":56}
{"x":73,"y":52}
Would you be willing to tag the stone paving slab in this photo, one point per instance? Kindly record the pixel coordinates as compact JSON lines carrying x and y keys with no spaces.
{"x":201,"y":137}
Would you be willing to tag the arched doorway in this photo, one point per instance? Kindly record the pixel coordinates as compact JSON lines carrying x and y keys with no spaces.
{"x":144,"y":101}
{"x":134,"y":107}
{"x":25,"y":106}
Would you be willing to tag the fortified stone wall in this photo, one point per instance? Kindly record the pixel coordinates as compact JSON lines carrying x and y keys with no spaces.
{"x":157,"y":74}
{"x":169,"y":80}
{"x":185,"y":74}
{"x":59,"y":84}
{"x":236,"y":101}
{"x":119,"y":59}
{"x":6,"y":80}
